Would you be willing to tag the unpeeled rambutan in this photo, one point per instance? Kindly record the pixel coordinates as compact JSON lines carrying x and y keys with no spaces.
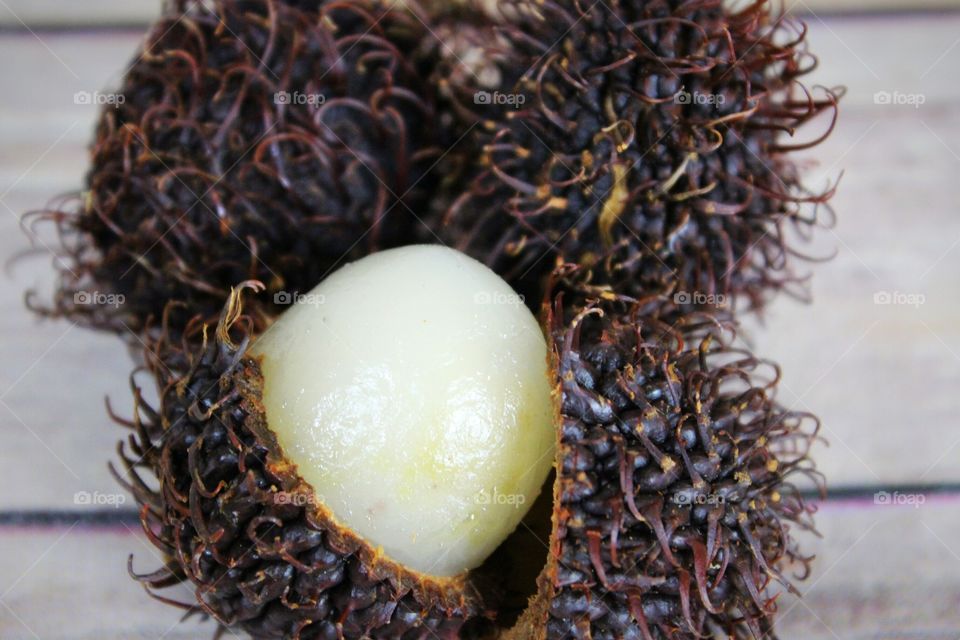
{"x":674,"y":499}
{"x":647,"y":136}
{"x":261,"y":139}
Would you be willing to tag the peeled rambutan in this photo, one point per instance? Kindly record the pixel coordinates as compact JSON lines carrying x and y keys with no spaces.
{"x":255,"y":139}
{"x":352,"y":473}
{"x":646,"y":136}
{"x":672,"y":496}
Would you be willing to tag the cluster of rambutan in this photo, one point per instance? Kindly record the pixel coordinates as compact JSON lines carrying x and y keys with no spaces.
{"x":622,"y":164}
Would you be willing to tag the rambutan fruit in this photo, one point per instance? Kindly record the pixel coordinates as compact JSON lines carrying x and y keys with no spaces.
{"x":353,"y":472}
{"x":672,"y":495}
{"x":645,"y":136}
{"x":675,"y":495}
{"x":266,"y":140}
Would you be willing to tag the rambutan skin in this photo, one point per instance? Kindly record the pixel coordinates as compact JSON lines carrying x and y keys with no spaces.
{"x":232,"y":517}
{"x":644,"y":136}
{"x":267,"y":140}
{"x":675,"y":498}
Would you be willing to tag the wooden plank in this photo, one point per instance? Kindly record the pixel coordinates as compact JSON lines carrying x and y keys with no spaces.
{"x":880,"y":572}
{"x":37,"y":14}
{"x":53,"y":67}
{"x":866,"y":368}
{"x":882,"y":376}
{"x":853,"y":52}
{"x":892,"y":383}
{"x":827,"y":7}
{"x":53,"y":75}
{"x":41,"y":14}
{"x":71,"y":583}
{"x":54,"y":379}
{"x":857,"y":53}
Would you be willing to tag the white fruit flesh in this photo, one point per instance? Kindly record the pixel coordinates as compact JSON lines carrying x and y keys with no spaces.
{"x":411,"y":390}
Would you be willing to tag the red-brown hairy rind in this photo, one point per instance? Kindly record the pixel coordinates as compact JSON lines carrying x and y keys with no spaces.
{"x":675,"y":498}
{"x":651,"y":139}
{"x":235,"y":520}
{"x":201,"y":177}
{"x":633,"y":554}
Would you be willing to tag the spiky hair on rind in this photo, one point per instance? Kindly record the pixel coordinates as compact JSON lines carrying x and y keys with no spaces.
{"x":672,"y":506}
{"x":647,"y":136}
{"x":254,"y":139}
{"x":675,"y":493}
{"x":233,"y":517}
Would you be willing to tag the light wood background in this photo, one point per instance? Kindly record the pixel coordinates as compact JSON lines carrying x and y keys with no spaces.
{"x":885,"y":378}
{"x":58,"y":13}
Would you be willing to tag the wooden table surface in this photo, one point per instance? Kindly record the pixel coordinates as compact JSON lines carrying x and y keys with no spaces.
{"x":884,"y":377}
